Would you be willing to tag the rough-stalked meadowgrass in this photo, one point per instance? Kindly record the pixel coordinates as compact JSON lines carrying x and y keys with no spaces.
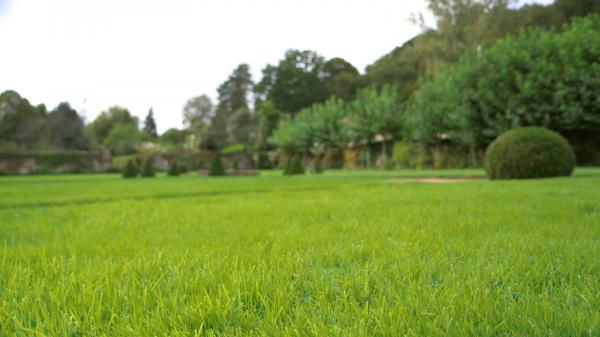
{"x":334,"y":255}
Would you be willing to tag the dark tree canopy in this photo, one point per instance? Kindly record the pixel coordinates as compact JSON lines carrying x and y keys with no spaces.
{"x":21,"y":124}
{"x":66,"y":129}
{"x":295,"y":83}
{"x":403,"y":68}
{"x":340,"y":78}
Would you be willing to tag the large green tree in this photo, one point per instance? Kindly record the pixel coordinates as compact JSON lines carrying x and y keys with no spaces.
{"x":198,"y":113}
{"x":374,"y":113}
{"x":107,"y":120}
{"x":233,"y":121}
{"x":22,"y":125}
{"x":66,"y":129}
{"x":295,"y":83}
{"x":124,"y":139}
{"x":340,"y":78}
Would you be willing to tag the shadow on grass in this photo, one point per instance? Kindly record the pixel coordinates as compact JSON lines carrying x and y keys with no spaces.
{"x":163,"y":196}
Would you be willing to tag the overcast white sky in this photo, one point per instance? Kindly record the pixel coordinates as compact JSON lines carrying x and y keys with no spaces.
{"x":144,"y":53}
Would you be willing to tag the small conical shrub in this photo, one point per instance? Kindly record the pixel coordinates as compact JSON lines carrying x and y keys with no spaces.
{"x":130,"y":170}
{"x":235,"y":165}
{"x":216,"y":167}
{"x":148,"y":169}
{"x":294,"y":166}
{"x":174,"y":170}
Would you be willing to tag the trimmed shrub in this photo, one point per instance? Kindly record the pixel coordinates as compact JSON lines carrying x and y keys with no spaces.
{"x":235,"y":165}
{"x":174,"y":170}
{"x":131,"y":170}
{"x":294,"y":166}
{"x":529,"y":152}
{"x":216,"y":167}
{"x":148,"y":169}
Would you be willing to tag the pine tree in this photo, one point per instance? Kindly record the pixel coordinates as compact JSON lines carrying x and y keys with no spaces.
{"x":150,"y":124}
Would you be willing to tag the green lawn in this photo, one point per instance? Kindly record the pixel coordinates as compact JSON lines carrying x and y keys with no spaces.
{"x":343,"y":254}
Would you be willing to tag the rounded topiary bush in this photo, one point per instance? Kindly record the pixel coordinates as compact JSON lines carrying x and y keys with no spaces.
{"x":216,"y":167}
{"x":294,"y":166}
{"x":130,"y":170}
{"x":529,"y":152}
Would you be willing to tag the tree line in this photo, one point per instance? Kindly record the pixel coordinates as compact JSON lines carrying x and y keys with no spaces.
{"x":307,"y":103}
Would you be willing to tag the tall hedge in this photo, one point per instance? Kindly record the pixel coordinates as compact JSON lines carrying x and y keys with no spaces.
{"x":536,"y":78}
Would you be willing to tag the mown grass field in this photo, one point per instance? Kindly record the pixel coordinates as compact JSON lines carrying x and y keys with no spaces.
{"x":342,"y":254}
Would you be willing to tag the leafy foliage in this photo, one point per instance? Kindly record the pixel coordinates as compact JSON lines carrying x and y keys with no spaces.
{"x":124,"y":139}
{"x":340,"y":78}
{"x":537,"y":78}
{"x":66,"y":129}
{"x":101,"y":127}
{"x":295,"y":83}
{"x":21,"y":124}
{"x":173,"y":138}
{"x":373,"y":113}
{"x":530,"y":152}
